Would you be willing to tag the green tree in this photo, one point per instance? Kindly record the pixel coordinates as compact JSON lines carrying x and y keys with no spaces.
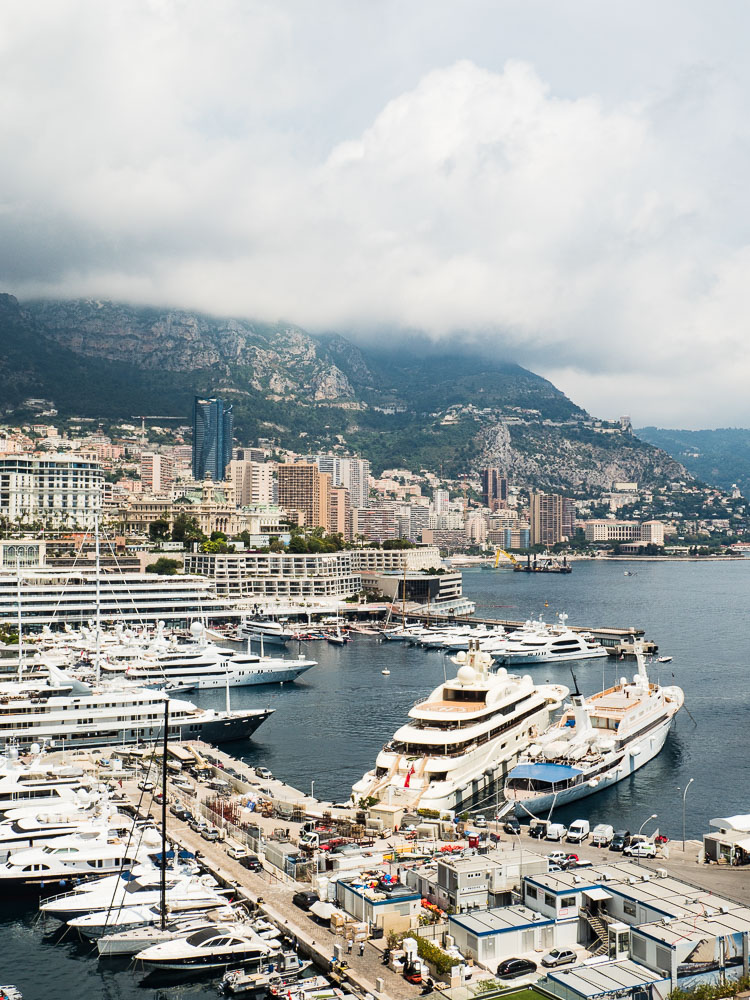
{"x":164,"y":566}
{"x":158,"y":531}
{"x":186,"y":529}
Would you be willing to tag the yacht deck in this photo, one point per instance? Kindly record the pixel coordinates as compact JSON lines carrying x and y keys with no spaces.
{"x":452,"y":706}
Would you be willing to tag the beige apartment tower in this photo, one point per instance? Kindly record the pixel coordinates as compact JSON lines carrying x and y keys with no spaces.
{"x":306,"y":490}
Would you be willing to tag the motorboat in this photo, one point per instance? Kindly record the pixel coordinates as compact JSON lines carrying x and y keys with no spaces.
{"x":550,"y":645}
{"x":213,"y":947}
{"x":461,"y":738}
{"x":597,"y":742}
{"x":281,"y":973}
{"x":23,"y":830}
{"x":69,"y":859}
{"x":38,"y":782}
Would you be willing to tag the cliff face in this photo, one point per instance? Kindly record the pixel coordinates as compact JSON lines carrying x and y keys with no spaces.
{"x":407,"y":406}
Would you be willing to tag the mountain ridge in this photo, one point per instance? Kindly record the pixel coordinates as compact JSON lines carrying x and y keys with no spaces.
{"x":424,"y":406}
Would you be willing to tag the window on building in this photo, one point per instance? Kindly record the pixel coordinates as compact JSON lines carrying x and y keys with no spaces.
{"x":568,"y":901}
{"x":531,"y":892}
{"x":549,"y":899}
{"x":629,"y":908}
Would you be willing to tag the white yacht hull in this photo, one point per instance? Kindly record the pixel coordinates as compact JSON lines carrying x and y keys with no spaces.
{"x":249,"y":677}
{"x":529,"y":659}
{"x":645,"y":750}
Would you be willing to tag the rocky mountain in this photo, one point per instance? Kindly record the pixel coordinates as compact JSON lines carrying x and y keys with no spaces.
{"x":416,"y":405}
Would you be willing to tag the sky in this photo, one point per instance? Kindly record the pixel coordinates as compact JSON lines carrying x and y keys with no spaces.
{"x":562,"y":182}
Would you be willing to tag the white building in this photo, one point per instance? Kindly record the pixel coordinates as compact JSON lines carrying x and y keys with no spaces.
{"x":60,"y":491}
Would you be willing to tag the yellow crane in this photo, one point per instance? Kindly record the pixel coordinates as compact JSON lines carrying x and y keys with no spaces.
{"x":502,"y":552}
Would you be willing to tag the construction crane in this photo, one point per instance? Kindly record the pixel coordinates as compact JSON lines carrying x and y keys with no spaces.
{"x":502,"y":552}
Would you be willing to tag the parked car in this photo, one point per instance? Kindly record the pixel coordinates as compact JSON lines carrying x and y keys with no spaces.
{"x":511,"y":825}
{"x":480,"y":822}
{"x":559,"y":956}
{"x":620,"y":840}
{"x":210,"y":833}
{"x":641,"y":849}
{"x":198,"y":825}
{"x":304,"y":899}
{"x":146,"y":786}
{"x":263,"y":773}
{"x":571,"y":860}
{"x":512,"y":968}
{"x":252,"y":862}
{"x":557,"y":857}
{"x":236,"y":851}
{"x":602,"y":834}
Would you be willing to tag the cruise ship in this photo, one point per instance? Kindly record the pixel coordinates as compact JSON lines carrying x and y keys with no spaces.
{"x":68,"y":713}
{"x":597,"y":742}
{"x":548,"y":644}
{"x":462,"y":738}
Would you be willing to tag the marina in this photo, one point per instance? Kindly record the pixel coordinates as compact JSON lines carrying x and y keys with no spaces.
{"x":349,"y":679}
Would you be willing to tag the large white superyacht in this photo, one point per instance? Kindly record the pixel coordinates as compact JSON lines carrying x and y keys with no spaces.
{"x":68,"y":713}
{"x":597,"y":742}
{"x":548,"y":644}
{"x":462,"y":738}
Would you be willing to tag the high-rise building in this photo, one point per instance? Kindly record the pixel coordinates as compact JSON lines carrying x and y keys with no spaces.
{"x":157,"y":473}
{"x":212,"y":438}
{"x":441,"y":499}
{"x":301,"y":490}
{"x":60,"y":491}
{"x":252,"y":482}
{"x":340,"y":513}
{"x":546,"y":517}
{"x":353,"y":473}
{"x":250,"y":454}
{"x":494,"y":488}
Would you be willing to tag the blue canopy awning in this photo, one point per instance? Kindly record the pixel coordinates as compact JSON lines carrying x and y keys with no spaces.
{"x":552,"y":773}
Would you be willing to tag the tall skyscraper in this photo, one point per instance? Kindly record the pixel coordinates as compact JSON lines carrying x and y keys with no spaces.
{"x":546,"y":517}
{"x":494,"y":488}
{"x":303,"y":488}
{"x":212,"y":438}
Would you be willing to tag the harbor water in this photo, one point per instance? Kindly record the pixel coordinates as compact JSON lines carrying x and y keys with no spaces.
{"x":329,"y":726}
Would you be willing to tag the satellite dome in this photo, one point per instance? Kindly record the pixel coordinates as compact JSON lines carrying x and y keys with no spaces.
{"x":528,"y":679}
{"x":35,"y":748}
{"x":461,"y":657}
{"x":467,"y":674}
{"x":196,"y":629}
{"x":501,"y":672}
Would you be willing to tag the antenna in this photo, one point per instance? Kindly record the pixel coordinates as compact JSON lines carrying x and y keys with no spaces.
{"x":575,"y":683}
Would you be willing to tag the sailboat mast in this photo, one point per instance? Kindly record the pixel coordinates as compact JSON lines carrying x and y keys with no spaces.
{"x":163,"y":880}
{"x":98,"y":595}
{"x":20,"y":617}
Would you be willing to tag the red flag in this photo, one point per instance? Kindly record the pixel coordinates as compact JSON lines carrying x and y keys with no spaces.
{"x":409,"y":773}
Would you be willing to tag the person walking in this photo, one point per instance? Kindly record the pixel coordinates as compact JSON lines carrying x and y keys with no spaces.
{"x":361,"y":948}
{"x":349,"y":944}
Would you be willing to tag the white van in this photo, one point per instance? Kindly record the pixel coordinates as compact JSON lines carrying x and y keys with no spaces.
{"x":602,"y":834}
{"x":578,"y":831}
{"x":556,"y":831}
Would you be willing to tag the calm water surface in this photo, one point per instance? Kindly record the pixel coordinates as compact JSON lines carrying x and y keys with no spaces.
{"x":329,"y":727}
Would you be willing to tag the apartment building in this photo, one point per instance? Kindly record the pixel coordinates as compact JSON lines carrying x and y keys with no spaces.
{"x":157,"y":473}
{"x":60,"y":491}
{"x":305,"y":490}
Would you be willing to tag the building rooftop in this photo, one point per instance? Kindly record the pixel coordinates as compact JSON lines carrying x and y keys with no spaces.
{"x":609,"y":978}
{"x":697,"y":929}
{"x":498,"y":919}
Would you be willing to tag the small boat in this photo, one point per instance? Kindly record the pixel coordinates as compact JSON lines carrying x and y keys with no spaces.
{"x":10,"y":993}
{"x":663,"y":659}
{"x":385,"y":671}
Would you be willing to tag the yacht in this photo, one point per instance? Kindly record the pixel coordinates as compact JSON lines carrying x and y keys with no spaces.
{"x":266,"y":629}
{"x":67,"y":712}
{"x":142,"y":906}
{"x":127,"y":939}
{"x":39,"y":783}
{"x":462,"y":738}
{"x":205,"y":665}
{"x":69,"y":858}
{"x":550,"y":645}
{"x":213,"y":947}
{"x":597,"y":742}
{"x":22,"y":830}
{"x":280,"y":974}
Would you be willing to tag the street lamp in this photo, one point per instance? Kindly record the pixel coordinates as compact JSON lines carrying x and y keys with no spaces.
{"x":684,"y":796}
{"x":312,"y":788}
{"x":648,"y":820}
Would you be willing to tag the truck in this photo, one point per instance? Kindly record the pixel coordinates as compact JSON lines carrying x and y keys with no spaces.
{"x":555,"y":831}
{"x":602,"y":834}
{"x":578,"y":831}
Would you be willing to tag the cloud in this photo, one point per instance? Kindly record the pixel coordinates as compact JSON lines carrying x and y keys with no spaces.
{"x":219,"y":160}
